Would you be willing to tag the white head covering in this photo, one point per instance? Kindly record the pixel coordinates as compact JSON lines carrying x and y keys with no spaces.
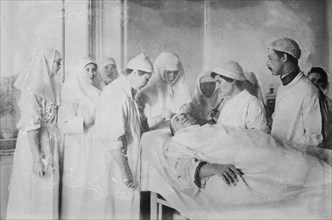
{"x":75,"y":89}
{"x":140,"y":62}
{"x":231,"y":70}
{"x":162,"y":95}
{"x":287,"y":45}
{"x":100,"y":78}
{"x":36,"y":77}
{"x":108,"y":60}
{"x":201,"y":104}
{"x":252,"y":85}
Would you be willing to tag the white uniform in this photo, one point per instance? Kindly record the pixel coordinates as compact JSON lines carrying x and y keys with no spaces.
{"x":78,"y":101}
{"x":244,"y":111}
{"x":297,"y":115}
{"x":117,"y":126}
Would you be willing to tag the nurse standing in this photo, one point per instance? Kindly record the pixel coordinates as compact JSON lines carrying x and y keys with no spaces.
{"x":113,"y":190}
{"x":207,"y":101}
{"x":242,"y":110}
{"x":166,"y":92}
{"x":34,"y":184}
{"x":76,"y":119}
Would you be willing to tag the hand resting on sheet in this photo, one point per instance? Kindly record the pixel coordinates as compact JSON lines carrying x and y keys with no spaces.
{"x":228,"y":172}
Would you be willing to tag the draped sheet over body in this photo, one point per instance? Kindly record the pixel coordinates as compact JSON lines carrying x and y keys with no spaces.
{"x":279,"y":180}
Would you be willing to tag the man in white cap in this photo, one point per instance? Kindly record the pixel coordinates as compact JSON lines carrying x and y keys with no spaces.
{"x":242,"y":110}
{"x":115,"y":159}
{"x":297,"y":115}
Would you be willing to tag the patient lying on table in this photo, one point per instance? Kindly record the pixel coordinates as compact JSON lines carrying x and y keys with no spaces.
{"x":273,"y":171}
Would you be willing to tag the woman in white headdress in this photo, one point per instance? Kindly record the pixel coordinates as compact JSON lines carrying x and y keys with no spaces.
{"x":166,"y":92}
{"x":113,"y":189}
{"x":76,"y":119}
{"x":108,"y":71}
{"x":242,"y":110}
{"x":206,"y":101}
{"x":33,"y":190}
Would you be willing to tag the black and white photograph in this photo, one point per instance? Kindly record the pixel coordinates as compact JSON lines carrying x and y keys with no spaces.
{"x":165,"y":109}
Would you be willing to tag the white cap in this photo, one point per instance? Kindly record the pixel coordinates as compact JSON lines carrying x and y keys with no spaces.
{"x":231,"y":70}
{"x":286,"y":45}
{"x":140,"y":62}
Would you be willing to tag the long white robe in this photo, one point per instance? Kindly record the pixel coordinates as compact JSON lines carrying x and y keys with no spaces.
{"x":117,"y":126}
{"x":77,"y":144}
{"x":78,"y":100}
{"x":275,"y":173}
{"x":297,"y":115}
{"x":32,"y":197}
{"x":244,"y":111}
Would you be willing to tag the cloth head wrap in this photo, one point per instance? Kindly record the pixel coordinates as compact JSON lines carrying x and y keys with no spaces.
{"x":140,"y":62}
{"x":162,"y":95}
{"x":75,"y":89}
{"x":107,"y":61}
{"x":36,"y":78}
{"x":231,"y":70}
{"x":287,"y":45}
{"x":252,"y":79}
{"x":205,"y":97}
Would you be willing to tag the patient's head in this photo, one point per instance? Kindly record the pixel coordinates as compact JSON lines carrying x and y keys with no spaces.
{"x":180,"y":121}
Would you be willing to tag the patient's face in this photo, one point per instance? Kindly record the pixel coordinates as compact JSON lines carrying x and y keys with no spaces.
{"x":183,"y":120}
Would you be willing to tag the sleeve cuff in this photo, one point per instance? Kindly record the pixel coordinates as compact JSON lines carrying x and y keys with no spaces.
{"x":197,"y":180}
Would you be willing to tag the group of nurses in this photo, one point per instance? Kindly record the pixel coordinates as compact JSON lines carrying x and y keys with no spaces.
{"x":226,"y":91}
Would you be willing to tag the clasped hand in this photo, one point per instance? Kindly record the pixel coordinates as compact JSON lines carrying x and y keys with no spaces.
{"x":213,"y":113}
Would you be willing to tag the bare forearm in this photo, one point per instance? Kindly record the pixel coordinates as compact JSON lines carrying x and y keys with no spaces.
{"x":227,"y":172}
{"x":206,"y":171}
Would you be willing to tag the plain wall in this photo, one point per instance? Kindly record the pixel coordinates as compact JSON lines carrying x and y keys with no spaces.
{"x":27,"y":26}
{"x":235,"y":30}
{"x":175,"y":26}
{"x":242,"y":30}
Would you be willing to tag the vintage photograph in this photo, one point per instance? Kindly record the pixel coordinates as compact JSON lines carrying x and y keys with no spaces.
{"x":165,"y":109}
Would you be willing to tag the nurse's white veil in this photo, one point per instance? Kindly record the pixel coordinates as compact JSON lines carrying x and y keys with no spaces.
{"x":162,"y":95}
{"x":36,"y":79}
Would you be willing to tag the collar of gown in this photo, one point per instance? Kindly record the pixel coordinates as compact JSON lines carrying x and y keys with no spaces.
{"x":289,"y":77}
{"x":239,"y":96}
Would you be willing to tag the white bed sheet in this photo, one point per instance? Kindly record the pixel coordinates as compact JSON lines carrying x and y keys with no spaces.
{"x":154,"y":179}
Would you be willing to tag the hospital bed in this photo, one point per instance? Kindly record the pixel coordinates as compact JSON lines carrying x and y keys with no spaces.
{"x":164,"y":197}
{"x":152,"y":178}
